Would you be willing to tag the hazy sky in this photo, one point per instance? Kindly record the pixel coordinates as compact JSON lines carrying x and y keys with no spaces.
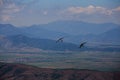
{"x":29,"y":12}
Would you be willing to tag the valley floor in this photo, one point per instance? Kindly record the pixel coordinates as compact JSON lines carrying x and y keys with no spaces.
{"x":93,"y":60}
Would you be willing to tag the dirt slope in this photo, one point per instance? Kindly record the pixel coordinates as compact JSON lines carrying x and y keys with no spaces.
{"x":10,"y":71}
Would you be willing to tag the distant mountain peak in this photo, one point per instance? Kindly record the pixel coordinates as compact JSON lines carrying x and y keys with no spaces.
{"x":6,"y":25}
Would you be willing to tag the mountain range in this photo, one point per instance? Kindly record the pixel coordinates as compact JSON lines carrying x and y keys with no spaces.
{"x":60,"y":27}
{"x":20,"y":41}
{"x":79,"y":27}
{"x":24,"y":42}
{"x":74,"y":32}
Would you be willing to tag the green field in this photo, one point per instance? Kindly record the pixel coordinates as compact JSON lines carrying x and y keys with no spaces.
{"x":94,"y":60}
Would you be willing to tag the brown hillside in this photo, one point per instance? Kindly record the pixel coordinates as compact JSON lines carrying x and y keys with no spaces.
{"x":9,"y":71}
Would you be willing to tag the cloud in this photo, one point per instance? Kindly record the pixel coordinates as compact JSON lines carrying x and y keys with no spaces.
{"x":8,"y":8}
{"x":45,"y":13}
{"x":5,"y":2}
{"x":5,"y":18}
{"x":1,"y":2}
{"x":92,"y":13}
{"x":116,"y":9}
{"x":11,"y":8}
{"x":89,"y":10}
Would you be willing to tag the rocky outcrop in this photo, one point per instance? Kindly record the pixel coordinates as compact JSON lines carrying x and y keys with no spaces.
{"x":10,"y":71}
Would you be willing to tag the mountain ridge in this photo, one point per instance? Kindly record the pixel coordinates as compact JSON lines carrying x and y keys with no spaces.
{"x":51,"y":31}
{"x":21,"y":41}
{"x":79,"y":27}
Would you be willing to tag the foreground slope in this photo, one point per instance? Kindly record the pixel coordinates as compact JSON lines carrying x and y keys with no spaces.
{"x":10,"y":71}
